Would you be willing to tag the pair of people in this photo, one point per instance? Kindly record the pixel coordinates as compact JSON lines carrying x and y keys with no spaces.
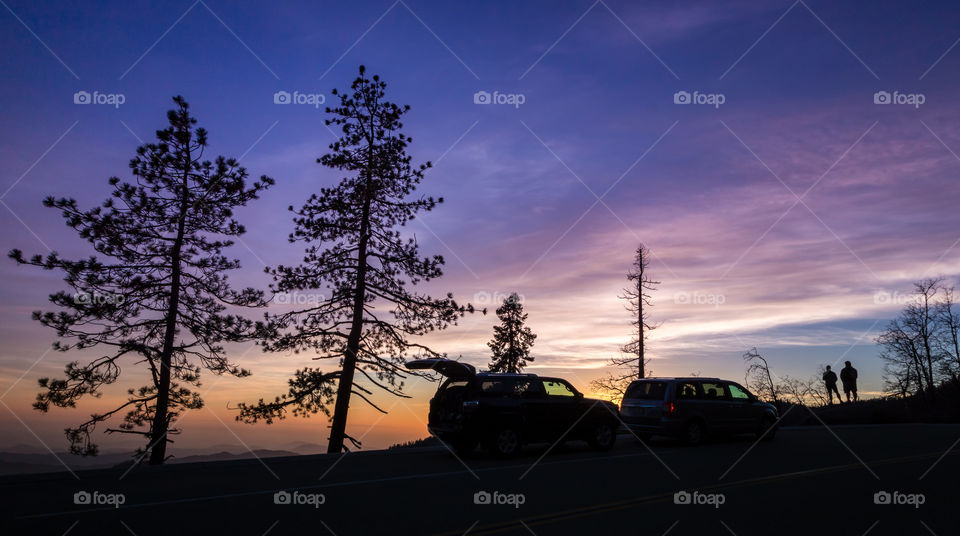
{"x":848,"y":377}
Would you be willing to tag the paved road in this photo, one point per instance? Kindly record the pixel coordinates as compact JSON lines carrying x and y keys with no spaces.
{"x":807,"y":481}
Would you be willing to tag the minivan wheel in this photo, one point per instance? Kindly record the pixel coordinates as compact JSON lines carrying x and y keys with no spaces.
{"x":767,"y":423}
{"x":504,"y":442}
{"x":603,"y":437}
{"x":693,"y":433}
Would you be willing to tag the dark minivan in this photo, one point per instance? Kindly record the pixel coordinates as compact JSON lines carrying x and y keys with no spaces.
{"x":505,"y":411}
{"x":692,"y":408}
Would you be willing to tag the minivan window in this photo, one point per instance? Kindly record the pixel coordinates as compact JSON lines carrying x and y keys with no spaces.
{"x":687,"y":390}
{"x":714,"y":390}
{"x":646,"y":390}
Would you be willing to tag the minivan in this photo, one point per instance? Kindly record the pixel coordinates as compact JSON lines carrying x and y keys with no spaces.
{"x":694,"y":407}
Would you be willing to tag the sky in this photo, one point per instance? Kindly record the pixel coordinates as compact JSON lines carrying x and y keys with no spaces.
{"x":792,"y":166}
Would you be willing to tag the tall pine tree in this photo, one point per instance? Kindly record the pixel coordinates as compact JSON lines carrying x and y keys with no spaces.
{"x":155,"y":292}
{"x":512,"y":339}
{"x":369,"y":318}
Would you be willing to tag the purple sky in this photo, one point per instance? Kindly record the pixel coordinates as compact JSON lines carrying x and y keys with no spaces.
{"x":792,"y":217}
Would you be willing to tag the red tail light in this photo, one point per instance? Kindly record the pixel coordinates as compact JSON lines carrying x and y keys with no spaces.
{"x":667,"y":409}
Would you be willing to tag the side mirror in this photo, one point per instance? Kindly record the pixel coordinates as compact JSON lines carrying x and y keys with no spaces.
{"x":578,"y":396}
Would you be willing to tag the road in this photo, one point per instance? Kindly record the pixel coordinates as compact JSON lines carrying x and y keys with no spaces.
{"x":808,"y":480}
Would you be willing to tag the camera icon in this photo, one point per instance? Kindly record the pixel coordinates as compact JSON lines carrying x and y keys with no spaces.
{"x":281,"y":497}
{"x":281,"y":97}
{"x":481,"y":497}
{"x":681,"y":497}
{"x":681,"y":298}
{"x":881,"y":497}
{"x":81,"y":97}
{"x":681,"y":97}
{"x":481,"y":97}
{"x":81,"y":497}
{"x":881,"y":97}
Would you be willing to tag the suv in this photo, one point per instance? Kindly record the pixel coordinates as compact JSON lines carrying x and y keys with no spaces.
{"x":691,"y":408}
{"x":504,"y":411}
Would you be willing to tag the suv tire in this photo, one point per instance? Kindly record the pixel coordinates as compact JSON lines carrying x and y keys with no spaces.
{"x":504,"y":442}
{"x":603,"y":436}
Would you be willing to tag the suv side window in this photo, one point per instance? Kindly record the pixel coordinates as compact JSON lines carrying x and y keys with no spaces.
{"x":504,"y":387}
{"x":714,"y":391}
{"x":558,"y":388}
{"x":687,"y":390}
{"x":737,"y":392}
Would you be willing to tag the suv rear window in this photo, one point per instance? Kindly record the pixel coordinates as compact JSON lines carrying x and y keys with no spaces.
{"x":646,"y":390}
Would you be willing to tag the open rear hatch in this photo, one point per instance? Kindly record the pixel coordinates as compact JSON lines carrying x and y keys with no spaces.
{"x":454,"y":370}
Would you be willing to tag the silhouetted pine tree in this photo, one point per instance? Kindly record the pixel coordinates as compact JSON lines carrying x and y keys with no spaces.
{"x":355,"y":256}
{"x":511,"y":339}
{"x":155,"y":293}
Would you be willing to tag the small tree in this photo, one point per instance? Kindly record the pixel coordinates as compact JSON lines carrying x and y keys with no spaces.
{"x":912,"y":343}
{"x":948,"y":334}
{"x":364,"y":269}
{"x":758,"y":377}
{"x":156,"y":294}
{"x":512,"y":339}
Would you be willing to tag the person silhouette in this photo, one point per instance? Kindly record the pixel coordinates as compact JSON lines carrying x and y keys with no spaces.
{"x":848,"y":377}
{"x":830,"y":380}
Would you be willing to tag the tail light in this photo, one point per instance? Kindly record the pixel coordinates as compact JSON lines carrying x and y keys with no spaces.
{"x":667,"y":409}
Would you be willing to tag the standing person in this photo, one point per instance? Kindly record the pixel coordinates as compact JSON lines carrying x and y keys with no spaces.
{"x":830,"y":379}
{"x":848,"y":376}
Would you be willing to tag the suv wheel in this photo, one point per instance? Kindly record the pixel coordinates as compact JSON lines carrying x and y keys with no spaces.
{"x":693,"y":433}
{"x":767,"y":423}
{"x":603,"y":436}
{"x":504,"y":442}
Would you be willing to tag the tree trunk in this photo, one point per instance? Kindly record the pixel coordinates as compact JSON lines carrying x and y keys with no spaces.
{"x":338,"y":427}
{"x":640,"y":370}
{"x":158,"y":438}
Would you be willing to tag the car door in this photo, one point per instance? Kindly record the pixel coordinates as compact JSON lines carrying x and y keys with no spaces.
{"x":743,"y":415}
{"x":716,"y":405}
{"x":537,"y":411}
{"x":563,"y":406}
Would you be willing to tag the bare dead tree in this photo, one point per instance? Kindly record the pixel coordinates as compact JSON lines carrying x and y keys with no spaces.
{"x":758,"y":378}
{"x":633,"y":362}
